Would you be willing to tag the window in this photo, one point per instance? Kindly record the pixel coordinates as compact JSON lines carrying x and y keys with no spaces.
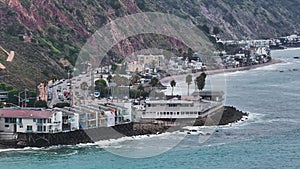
{"x":29,"y":128}
{"x":45,"y":120}
{"x":21,"y":126}
{"x":39,"y":128}
{"x":44,"y":128}
{"x":6,"y":125}
{"x":34,"y":120}
{"x":39,"y":120}
{"x":20,"y":120}
{"x":10,"y":120}
{"x":49,"y":120}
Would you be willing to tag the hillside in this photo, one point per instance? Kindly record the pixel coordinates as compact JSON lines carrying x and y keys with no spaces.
{"x":41,"y":32}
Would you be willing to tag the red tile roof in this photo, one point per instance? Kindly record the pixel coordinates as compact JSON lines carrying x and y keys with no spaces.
{"x":23,"y":113}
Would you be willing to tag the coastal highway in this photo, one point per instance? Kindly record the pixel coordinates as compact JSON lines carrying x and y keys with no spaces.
{"x":57,"y":89}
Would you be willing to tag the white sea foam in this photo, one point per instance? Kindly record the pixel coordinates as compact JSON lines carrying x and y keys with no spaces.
{"x":28,"y":149}
{"x":234,"y":73}
{"x":9,"y":149}
{"x":245,"y":120}
{"x":115,"y":142}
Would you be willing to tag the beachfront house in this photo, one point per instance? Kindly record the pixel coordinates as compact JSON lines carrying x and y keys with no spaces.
{"x":36,"y":121}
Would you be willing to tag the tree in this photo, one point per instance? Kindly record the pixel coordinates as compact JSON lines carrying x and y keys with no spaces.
{"x":113,"y":67}
{"x":140,"y":88}
{"x":84,"y":86}
{"x":216,"y":30}
{"x":135,"y":79}
{"x":189,"y":80}
{"x":40,"y":103}
{"x":62,"y":105}
{"x":173,"y":84}
{"x":101,"y":86}
{"x":154,"y":82}
{"x":109,"y":78}
{"x":200,"y":81}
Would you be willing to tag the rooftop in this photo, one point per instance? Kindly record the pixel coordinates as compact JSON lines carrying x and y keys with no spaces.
{"x":172,"y":101}
{"x":25,"y":113}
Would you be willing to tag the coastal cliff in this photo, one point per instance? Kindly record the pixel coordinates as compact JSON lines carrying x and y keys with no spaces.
{"x":47,"y":35}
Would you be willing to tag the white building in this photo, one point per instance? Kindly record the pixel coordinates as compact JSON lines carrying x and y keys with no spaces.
{"x":157,"y":60}
{"x":173,"y":108}
{"x":37,"y":121}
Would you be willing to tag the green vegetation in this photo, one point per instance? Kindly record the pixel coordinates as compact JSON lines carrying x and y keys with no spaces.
{"x":188,"y":80}
{"x":84,"y":86}
{"x":101,"y":86}
{"x":173,"y":84}
{"x":62,"y":105}
{"x":40,"y":103}
{"x":154,"y":82}
{"x":63,"y":30}
{"x":200,"y":81}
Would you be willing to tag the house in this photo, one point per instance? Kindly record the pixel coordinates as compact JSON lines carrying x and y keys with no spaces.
{"x":36,"y":121}
{"x":121,"y":111}
{"x":152,"y":60}
{"x":135,"y":66}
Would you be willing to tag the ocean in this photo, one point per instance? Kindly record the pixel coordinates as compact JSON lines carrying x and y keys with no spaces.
{"x":269,"y":138}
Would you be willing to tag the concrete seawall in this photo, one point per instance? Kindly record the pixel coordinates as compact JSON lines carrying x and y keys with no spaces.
{"x":221,"y":116}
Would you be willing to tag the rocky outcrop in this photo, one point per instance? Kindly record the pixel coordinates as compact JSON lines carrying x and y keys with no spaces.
{"x":223,"y":116}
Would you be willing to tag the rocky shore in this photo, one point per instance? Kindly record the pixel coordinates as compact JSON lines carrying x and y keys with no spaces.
{"x":222,"y":116}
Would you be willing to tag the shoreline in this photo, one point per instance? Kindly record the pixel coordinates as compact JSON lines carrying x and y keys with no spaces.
{"x":219,"y":71}
{"x":222,"y":116}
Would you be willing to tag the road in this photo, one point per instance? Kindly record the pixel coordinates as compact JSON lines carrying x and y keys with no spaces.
{"x":76,"y":93}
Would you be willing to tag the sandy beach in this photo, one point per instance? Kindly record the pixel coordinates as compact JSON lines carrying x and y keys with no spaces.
{"x":218,"y":71}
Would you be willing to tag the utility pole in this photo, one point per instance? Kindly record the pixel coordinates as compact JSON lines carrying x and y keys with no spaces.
{"x":19,"y":99}
{"x":25,"y":98}
{"x":92,"y":84}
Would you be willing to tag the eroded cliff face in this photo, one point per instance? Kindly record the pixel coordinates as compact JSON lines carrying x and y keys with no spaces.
{"x":49,"y":30}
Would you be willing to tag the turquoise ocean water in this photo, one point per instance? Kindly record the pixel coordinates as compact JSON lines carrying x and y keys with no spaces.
{"x":268,"y":139}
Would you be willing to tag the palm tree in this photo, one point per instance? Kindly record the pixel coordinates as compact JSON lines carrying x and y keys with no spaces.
{"x":140,"y":88}
{"x":173,"y":84}
{"x":154,"y":82}
{"x":189,"y":80}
